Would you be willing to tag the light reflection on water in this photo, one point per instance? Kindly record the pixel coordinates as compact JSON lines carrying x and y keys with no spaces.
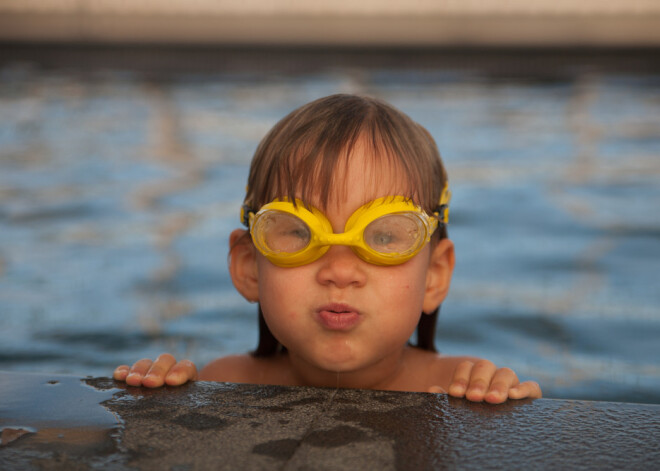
{"x":117,"y":196}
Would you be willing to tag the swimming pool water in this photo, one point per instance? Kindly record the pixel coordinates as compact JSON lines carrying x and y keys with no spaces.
{"x":118,"y":192}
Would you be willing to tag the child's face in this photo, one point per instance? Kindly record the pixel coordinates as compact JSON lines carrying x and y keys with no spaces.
{"x":340,"y":313}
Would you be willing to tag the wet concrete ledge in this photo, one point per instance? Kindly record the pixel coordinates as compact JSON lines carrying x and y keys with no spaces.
{"x":64,"y":422}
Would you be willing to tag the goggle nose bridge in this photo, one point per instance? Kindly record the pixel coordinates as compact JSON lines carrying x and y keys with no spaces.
{"x":351,"y":237}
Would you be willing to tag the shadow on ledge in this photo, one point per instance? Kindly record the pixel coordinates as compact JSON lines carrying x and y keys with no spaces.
{"x":63,"y":422}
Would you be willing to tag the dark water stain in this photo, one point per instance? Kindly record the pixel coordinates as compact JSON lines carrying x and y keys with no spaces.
{"x":411,"y":429}
{"x":198,"y":421}
{"x":279,"y":449}
{"x":336,"y":437}
{"x":266,"y":392}
{"x":276,"y":409}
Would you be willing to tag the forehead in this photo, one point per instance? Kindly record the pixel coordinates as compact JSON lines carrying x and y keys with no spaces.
{"x":360,"y":175}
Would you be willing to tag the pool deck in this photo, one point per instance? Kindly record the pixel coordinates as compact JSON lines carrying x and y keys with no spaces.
{"x":539,"y":23}
{"x":65,"y":422}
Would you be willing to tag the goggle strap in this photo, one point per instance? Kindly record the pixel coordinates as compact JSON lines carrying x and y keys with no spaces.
{"x":442,"y":210}
{"x":245,"y":215}
{"x":441,"y":213}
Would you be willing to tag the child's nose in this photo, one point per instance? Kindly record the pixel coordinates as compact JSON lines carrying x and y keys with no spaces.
{"x":341,"y":267}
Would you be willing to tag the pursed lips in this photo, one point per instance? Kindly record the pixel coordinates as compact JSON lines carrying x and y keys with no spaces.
{"x":338,"y":316}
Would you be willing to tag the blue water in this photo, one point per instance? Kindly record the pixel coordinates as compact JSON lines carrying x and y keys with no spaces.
{"x":118,"y":193}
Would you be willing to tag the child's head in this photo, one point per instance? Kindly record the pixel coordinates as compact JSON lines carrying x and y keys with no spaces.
{"x":309,"y":154}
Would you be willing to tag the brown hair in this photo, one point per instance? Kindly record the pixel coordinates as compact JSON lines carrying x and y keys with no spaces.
{"x":299,"y":156}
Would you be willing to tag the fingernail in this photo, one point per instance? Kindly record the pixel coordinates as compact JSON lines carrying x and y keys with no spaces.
{"x":134,"y":378}
{"x":457,"y":389}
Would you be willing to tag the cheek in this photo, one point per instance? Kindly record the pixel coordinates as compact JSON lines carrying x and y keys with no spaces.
{"x":409,"y":281}
{"x":401,"y":291}
{"x":281,"y":289}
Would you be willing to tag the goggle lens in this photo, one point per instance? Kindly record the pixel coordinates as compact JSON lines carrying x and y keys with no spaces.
{"x":280,"y":232}
{"x":399,"y":233}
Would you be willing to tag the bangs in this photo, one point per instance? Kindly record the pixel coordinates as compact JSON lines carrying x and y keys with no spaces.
{"x":319,"y":177}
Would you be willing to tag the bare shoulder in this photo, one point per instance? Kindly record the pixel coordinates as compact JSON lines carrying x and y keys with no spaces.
{"x":232,"y":369}
{"x":445,"y":366}
{"x":435,"y":361}
{"x":433,"y":369}
{"x":448,"y":362}
{"x":243,"y":368}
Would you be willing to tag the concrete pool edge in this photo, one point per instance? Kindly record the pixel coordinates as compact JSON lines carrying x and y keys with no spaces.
{"x":104,"y":424}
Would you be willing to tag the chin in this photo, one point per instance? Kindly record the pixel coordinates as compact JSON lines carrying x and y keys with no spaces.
{"x":337,"y":362}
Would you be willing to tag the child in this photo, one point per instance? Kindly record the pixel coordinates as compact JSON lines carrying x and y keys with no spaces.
{"x":347,"y":254}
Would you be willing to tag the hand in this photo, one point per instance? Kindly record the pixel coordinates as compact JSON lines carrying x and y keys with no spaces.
{"x":482,"y":381}
{"x":153,"y":374}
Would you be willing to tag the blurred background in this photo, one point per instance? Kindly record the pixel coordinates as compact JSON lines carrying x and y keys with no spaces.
{"x":127,"y":128}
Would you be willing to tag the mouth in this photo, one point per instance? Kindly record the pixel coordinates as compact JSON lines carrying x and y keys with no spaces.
{"x":335,"y":316}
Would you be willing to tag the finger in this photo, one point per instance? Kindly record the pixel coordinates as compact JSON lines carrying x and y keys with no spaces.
{"x":480,"y":378}
{"x":528,"y":389}
{"x":121,"y":372}
{"x":155,"y":377}
{"x":461,"y":379}
{"x":137,"y":372}
{"x":498,"y":391}
{"x":181,"y":373}
{"x":437,"y":390}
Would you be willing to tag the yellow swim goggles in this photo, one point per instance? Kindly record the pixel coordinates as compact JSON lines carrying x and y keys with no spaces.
{"x":386,"y":231}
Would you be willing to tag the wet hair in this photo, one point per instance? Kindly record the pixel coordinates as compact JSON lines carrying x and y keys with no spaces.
{"x":299,"y":157}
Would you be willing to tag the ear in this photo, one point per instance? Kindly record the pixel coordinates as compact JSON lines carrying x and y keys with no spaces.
{"x":243,"y":265}
{"x":438,"y":276}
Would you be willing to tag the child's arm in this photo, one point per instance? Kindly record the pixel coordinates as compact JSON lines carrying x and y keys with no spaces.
{"x":481,"y":380}
{"x":154,"y":374}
